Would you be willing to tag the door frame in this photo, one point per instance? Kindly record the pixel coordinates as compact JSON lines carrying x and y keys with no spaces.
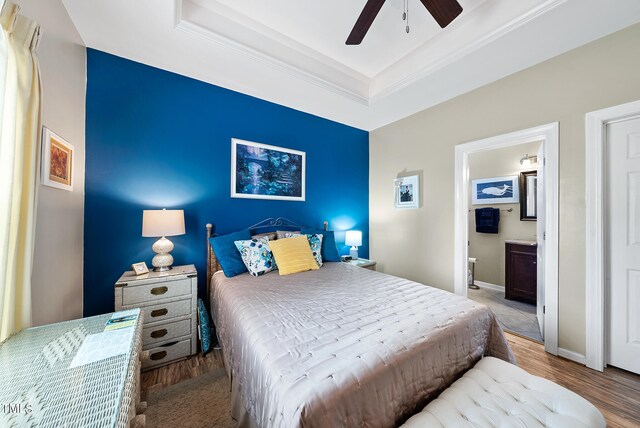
{"x":596,"y":139}
{"x":549,"y":135}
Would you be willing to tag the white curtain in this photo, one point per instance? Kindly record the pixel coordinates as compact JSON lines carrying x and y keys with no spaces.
{"x":20,"y":96}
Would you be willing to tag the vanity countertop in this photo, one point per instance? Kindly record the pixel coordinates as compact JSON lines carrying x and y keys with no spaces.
{"x":521,"y":242}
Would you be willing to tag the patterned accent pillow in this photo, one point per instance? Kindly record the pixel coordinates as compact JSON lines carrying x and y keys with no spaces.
{"x":315,"y":242}
{"x":257,"y":256}
{"x":204,"y":326}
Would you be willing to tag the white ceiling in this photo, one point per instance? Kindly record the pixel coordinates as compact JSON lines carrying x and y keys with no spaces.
{"x":323,"y":26}
{"x":292,"y":52}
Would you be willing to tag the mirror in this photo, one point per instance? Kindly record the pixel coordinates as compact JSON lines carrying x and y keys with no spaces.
{"x":528,"y":195}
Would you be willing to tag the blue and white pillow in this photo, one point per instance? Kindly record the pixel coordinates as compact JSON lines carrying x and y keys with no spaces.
{"x":315,"y":242}
{"x":205,"y":327}
{"x":256,"y":255}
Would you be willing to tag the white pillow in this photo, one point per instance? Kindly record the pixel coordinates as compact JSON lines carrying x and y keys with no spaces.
{"x":256,"y":255}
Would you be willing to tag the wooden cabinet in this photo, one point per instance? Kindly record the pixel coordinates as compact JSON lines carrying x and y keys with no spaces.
{"x":521,"y":273}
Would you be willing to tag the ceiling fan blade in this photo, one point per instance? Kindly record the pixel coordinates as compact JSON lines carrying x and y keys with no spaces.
{"x":364,"y":22}
{"x":444,"y":11}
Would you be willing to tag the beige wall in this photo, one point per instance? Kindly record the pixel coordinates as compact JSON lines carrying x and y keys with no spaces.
{"x":489,"y":248}
{"x":57,"y":274}
{"x":418,"y":244}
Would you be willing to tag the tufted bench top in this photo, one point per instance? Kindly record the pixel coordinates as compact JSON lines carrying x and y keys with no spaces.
{"x":498,"y":394}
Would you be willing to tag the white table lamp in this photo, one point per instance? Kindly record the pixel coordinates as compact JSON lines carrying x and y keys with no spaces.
{"x":354,"y":239}
{"x":162,"y":223}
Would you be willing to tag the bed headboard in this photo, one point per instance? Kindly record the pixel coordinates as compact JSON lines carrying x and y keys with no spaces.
{"x":212,"y":262}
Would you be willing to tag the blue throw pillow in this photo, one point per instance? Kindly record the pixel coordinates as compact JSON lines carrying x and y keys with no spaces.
{"x":227,"y":253}
{"x":205,"y":327}
{"x":329,"y":248}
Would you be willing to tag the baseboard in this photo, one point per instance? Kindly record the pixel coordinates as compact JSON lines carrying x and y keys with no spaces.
{"x":489,"y":286}
{"x":573,"y":356}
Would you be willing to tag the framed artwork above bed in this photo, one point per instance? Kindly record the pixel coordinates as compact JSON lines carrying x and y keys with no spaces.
{"x":261,"y":171}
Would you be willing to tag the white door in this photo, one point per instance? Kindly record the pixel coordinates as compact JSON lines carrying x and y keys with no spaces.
{"x":540,"y":230}
{"x":623,"y":244}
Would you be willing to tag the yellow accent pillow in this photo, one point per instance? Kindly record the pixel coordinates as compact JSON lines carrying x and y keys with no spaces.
{"x":293,"y":255}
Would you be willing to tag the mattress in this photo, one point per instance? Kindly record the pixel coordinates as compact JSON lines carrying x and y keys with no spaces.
{"x":344,"y":346}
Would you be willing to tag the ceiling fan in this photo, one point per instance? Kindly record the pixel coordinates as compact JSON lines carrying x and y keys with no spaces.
{"x":443,"y":11}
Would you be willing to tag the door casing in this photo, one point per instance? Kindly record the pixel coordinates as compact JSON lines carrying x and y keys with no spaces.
{"x":596,"y":123}
{"x":549,"y":135}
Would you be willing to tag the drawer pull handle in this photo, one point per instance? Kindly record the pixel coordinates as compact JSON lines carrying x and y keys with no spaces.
{"x":159,"y":333}
{"x":159,"y":290}
{"x":158,"y":355}
{"x":159,"y":312}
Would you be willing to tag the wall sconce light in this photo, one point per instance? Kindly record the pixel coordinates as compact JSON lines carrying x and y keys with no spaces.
{"x":528,"y":161}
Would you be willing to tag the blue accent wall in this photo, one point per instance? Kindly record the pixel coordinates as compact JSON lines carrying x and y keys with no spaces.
{"x":156,"y":139}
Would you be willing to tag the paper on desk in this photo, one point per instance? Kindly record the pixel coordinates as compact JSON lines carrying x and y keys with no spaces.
{"x":103,"y":345}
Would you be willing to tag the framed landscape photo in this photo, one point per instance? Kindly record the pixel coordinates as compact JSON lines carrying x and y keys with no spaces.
{"x":498,"y":190}
{"x":407,"y":192}
{"x":57,"y":161}
{"x":260,"y":171}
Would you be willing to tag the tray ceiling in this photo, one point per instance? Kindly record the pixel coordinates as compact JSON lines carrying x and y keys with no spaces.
{"x":294,"y":53}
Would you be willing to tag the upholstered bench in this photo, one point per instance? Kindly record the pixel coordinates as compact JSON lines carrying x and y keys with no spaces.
{"x":497,"y":394}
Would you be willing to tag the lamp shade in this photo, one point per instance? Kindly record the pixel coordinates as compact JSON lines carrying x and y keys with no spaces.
{"x":157,"y":223}
{"x":353,"y":238}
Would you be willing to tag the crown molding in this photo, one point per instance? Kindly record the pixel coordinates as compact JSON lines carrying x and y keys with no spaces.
{"x":423,"y":72}
{"x":280,"y":65}
{"x":338,"y":78}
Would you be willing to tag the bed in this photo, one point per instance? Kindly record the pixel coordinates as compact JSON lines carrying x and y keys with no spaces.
{"x":342,"y":345}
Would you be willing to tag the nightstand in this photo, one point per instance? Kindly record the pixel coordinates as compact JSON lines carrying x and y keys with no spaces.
{"x":363,"y":263}
{"x":168,"y":300}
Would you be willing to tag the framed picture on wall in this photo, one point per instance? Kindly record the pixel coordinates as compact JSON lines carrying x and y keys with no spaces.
{"x":407,"y":193}
{"x":57,"y":161}
{"x":498,"y":190}
{"x":260,"y":171}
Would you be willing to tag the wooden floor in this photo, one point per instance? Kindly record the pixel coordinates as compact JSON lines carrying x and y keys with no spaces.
{"x":616,"y":393}
{"x":181,"y":370}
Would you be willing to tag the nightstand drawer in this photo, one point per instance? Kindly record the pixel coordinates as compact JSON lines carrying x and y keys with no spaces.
{"x":165,"y":332}
{"x":156,"y":291}
{"x":165,"y":311}
{"x":167,"y":353}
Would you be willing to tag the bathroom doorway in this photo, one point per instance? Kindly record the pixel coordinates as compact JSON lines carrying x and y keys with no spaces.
{"x":503,"y":200}
{"x":506,"y":245}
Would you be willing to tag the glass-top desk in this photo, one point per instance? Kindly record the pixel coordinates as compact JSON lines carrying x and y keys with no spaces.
{"x":38,"y":387}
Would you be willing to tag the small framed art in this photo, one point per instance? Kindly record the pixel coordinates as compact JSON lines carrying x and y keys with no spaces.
{"x":57,"y":161}
{"x":498,"y":190}
{"x":407,"y":192}
{"x":140,"y":268}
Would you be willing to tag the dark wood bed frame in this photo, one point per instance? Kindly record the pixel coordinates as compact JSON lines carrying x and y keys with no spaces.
{"x":212,"y":261}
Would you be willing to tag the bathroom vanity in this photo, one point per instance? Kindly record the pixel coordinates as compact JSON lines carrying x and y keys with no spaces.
{"x":521,"y":275}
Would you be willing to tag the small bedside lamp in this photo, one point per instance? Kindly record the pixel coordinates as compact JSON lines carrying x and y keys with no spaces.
{"x":162,"y":223}
{"x":353,"y":238}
